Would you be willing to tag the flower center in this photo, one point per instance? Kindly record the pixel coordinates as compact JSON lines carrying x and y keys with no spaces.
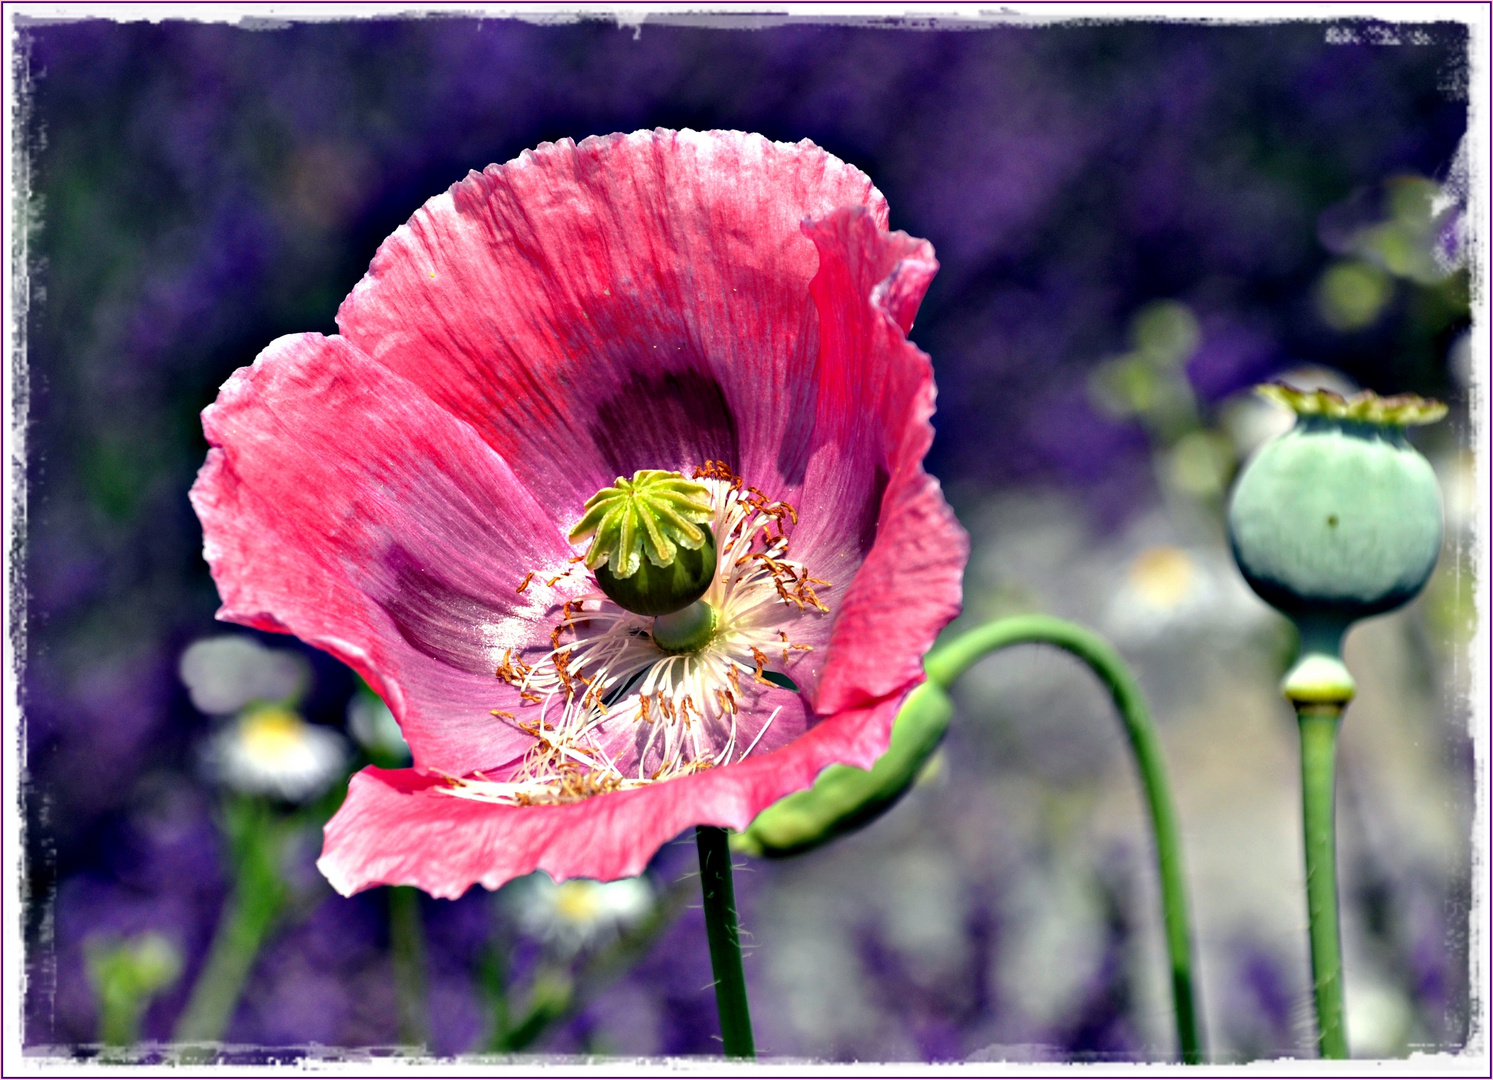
{"x":273,"y":736}
{"x":651,"y":551}
{"x":579,"y":901}
{"x":635,"y":696}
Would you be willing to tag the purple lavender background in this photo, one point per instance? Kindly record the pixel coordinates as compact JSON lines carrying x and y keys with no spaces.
{"x":201,"y":189}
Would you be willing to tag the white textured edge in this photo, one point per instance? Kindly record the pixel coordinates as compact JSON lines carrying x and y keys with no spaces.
{"x":19,"y":211}
{"x":1474,"y":1061}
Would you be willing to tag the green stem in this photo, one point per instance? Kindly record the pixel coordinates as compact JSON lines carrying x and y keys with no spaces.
{"x":725,"y":941}
{"x":235,"y":945}
{"x":1319,"y":724}
{"x":493,"y":974}
{"x":407,"y":952}
{"x":119,"y":1019}
{"x":948,"y":662}
{"x":552,"y":996}
{"x":256,"y":834}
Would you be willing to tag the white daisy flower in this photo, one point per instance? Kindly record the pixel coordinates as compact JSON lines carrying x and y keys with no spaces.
{"x":270,"y":750}
{"x":580,"y":913}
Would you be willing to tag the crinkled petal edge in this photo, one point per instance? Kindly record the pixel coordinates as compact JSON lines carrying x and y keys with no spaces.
{"x":398,"y":827}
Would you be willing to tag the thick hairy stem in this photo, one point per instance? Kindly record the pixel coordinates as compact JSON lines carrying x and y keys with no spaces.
{"x":725,"y":941}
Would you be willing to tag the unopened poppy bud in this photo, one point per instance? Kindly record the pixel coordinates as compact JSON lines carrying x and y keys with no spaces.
{"x":1338,"y":519}
{"x":651,"y":550}
{"x":845,"y":798}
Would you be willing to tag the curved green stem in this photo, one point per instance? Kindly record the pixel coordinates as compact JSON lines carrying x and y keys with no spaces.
{"x":846,"y":798}
{"x":1319,"y":724}
{"x":949,"y":661}
{"x":725,"y":941}
{"x":256,"y":835}
{"x":246,"y":922}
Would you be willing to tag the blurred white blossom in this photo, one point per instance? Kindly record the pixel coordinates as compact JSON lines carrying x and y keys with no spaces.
{"x":270,"y":750}
{"x":223,"y":674}
{"x":374,"y":726}
{"x":1170,"y":591}
{"x":580,"y":913}
{"x":1379,"y":1017}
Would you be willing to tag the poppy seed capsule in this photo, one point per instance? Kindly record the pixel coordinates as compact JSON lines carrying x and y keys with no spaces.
{"x":662,"y":590}
{"x":1340,"y":518}
{"x":651,"y":551}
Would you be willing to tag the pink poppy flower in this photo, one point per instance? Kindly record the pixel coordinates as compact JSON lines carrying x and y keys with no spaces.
{"x":714,"y":305}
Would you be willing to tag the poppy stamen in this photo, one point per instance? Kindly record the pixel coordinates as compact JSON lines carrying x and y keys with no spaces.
{"x":619,"y":674}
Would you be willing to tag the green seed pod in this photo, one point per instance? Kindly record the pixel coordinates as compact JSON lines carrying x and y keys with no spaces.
{"x":660,"y":590}
{"x":651,"y":550}
{"x":845,"y":798}
{"x":1338,"y":519}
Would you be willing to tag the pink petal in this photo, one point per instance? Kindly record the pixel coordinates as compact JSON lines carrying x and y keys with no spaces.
{"x":875,"y":400}
{"x":644,"y":300}
{"x":396,"y":828}
{"x":341,"y":505}
{"x":634,"y":301}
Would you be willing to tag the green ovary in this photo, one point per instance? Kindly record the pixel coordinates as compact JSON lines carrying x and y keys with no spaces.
{"x":651,"y":549}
